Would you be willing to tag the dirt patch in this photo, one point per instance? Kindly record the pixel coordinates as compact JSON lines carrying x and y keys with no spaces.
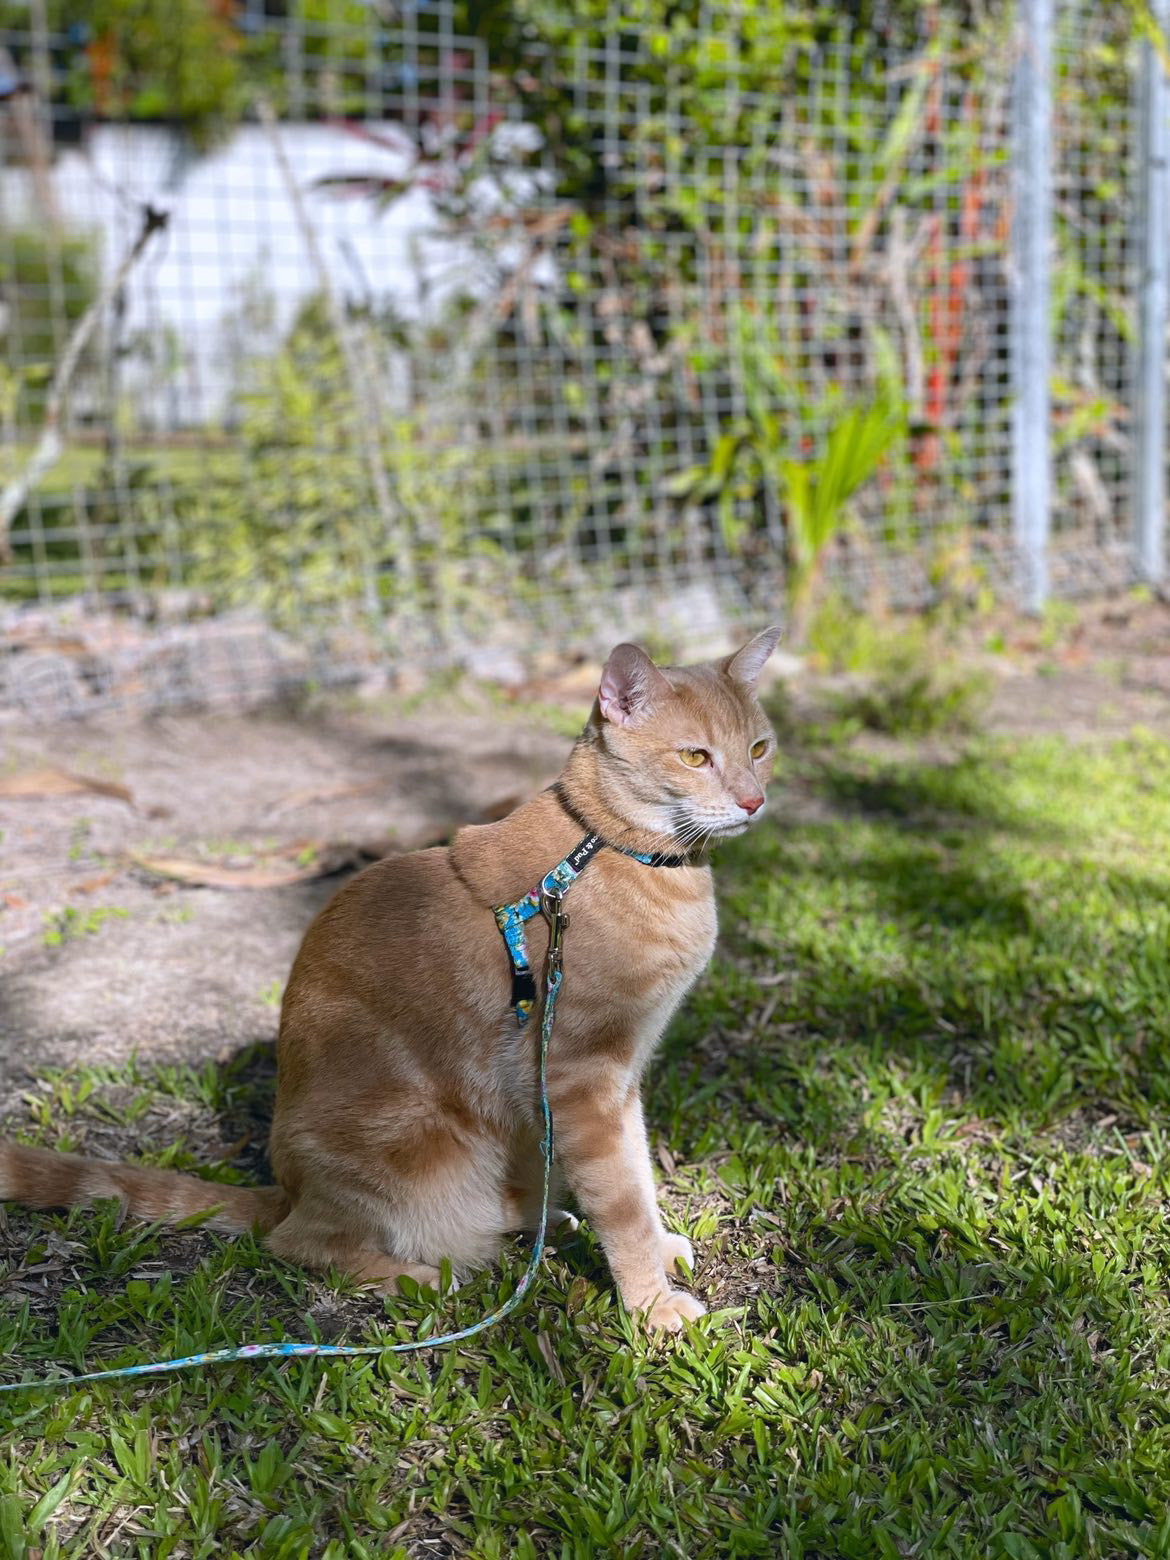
{"x":102,"y":959}
{"x":1093,"y":673}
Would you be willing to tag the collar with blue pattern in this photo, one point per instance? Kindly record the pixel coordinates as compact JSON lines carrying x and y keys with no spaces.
{"x":511,"y":918}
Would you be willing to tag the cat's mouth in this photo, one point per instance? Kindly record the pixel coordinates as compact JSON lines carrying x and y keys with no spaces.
{"x":710,"y":833}
{"x":728,"y":831}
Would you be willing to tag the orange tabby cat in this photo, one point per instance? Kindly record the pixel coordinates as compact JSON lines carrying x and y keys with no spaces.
{"x":406,"y":1125}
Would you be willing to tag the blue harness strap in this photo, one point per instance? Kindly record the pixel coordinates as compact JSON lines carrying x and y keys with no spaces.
{"x":511,"y":918}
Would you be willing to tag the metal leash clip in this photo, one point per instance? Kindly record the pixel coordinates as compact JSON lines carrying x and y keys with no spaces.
{"x":552,"y":908}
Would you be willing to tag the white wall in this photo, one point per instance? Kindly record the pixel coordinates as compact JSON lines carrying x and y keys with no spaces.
{"x":233,"y":228}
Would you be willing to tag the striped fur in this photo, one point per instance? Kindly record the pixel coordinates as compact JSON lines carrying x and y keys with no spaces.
{"x":41,"y":1178}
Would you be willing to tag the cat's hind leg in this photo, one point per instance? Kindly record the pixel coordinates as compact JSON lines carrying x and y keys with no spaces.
{"x":311,"y":1241}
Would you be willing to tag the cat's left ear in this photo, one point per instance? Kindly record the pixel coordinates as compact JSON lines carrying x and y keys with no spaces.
{"x":631,"y":685}
{"x":746,"y":665}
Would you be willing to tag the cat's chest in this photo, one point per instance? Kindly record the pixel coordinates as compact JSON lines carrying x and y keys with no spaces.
{"x":650,"y":946}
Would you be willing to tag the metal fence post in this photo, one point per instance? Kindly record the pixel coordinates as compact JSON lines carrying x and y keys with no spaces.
{"x":1030,"y":324}
{"x":1150,"y":411}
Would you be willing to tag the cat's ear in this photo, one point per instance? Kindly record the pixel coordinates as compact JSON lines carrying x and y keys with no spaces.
{"x":746,"y":665}
{"x":631,"y":686}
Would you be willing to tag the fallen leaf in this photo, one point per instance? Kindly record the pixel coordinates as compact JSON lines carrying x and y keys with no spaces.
{"x":309,"y":858}
{"x":60,"y":782}
{"x":276,"y":872}
{"x":544,"y":1344}
{"x":325,"y":793}
{"x":89,"y":885}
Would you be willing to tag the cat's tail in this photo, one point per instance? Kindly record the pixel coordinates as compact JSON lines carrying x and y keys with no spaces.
{"x":40,"y":1178}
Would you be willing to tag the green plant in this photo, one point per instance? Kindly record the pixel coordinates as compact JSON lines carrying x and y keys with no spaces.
{"x":839,"y":638}
{"x":756,"y":453}
{"x":184,"y":62}
{"x":294,"y":528}
{"x":68,"y":923}
{"x":914,"y":690}
{"x":817,"y":492}
{"x":289,"y":528}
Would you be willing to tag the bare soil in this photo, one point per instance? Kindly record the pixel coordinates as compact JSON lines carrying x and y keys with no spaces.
{"x":172,"y":971}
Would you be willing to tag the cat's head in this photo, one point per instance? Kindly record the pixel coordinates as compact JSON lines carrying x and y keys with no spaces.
{"x":686,"y":750}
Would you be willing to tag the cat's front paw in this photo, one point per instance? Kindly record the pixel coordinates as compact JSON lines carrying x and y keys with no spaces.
{"x":671,"y":1310}
{"x":676,"y":1249}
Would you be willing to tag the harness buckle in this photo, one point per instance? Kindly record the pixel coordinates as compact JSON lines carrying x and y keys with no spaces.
{"x":552,"y":909}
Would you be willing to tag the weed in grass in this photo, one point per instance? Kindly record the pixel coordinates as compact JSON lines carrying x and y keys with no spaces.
{"x":909,"y":684}
{"x":78,"y":836}
{"x":841,"y":639}
{"x":1059,"y":622}
{"x":915,"y":691}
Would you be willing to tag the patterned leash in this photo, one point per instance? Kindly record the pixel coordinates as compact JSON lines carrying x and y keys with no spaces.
{"x":552,"y":908}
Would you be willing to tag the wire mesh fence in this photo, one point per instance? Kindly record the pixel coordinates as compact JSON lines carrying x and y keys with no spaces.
{"x":398,"y":379}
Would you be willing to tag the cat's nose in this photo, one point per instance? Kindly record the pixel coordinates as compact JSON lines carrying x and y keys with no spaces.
{"x":751,"y":804}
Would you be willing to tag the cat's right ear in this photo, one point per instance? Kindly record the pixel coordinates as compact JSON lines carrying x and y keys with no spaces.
{"x":631,"y":686}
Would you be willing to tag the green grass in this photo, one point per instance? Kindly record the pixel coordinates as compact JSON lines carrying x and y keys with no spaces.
{"x":916,"y":1116}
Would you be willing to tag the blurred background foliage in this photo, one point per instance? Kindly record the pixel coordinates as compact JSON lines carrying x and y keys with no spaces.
{"x":197,"y":63}
{"x":281,"y":514}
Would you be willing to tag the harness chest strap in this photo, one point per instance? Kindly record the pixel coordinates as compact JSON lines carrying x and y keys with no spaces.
{"x":554,"y":885}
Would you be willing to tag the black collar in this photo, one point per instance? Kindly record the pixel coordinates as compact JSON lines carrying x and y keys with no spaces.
{"x":595,"y":842}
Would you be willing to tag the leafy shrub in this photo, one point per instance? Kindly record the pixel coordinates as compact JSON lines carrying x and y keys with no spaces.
{"x":293,"y":526}
{"x":841,"y":639}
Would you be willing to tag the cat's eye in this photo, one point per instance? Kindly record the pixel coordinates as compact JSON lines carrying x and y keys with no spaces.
{"x":694,"y":758}
{"x":758,"y":749}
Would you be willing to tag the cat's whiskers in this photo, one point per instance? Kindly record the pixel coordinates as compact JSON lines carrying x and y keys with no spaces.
{"x":694,"y":832}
